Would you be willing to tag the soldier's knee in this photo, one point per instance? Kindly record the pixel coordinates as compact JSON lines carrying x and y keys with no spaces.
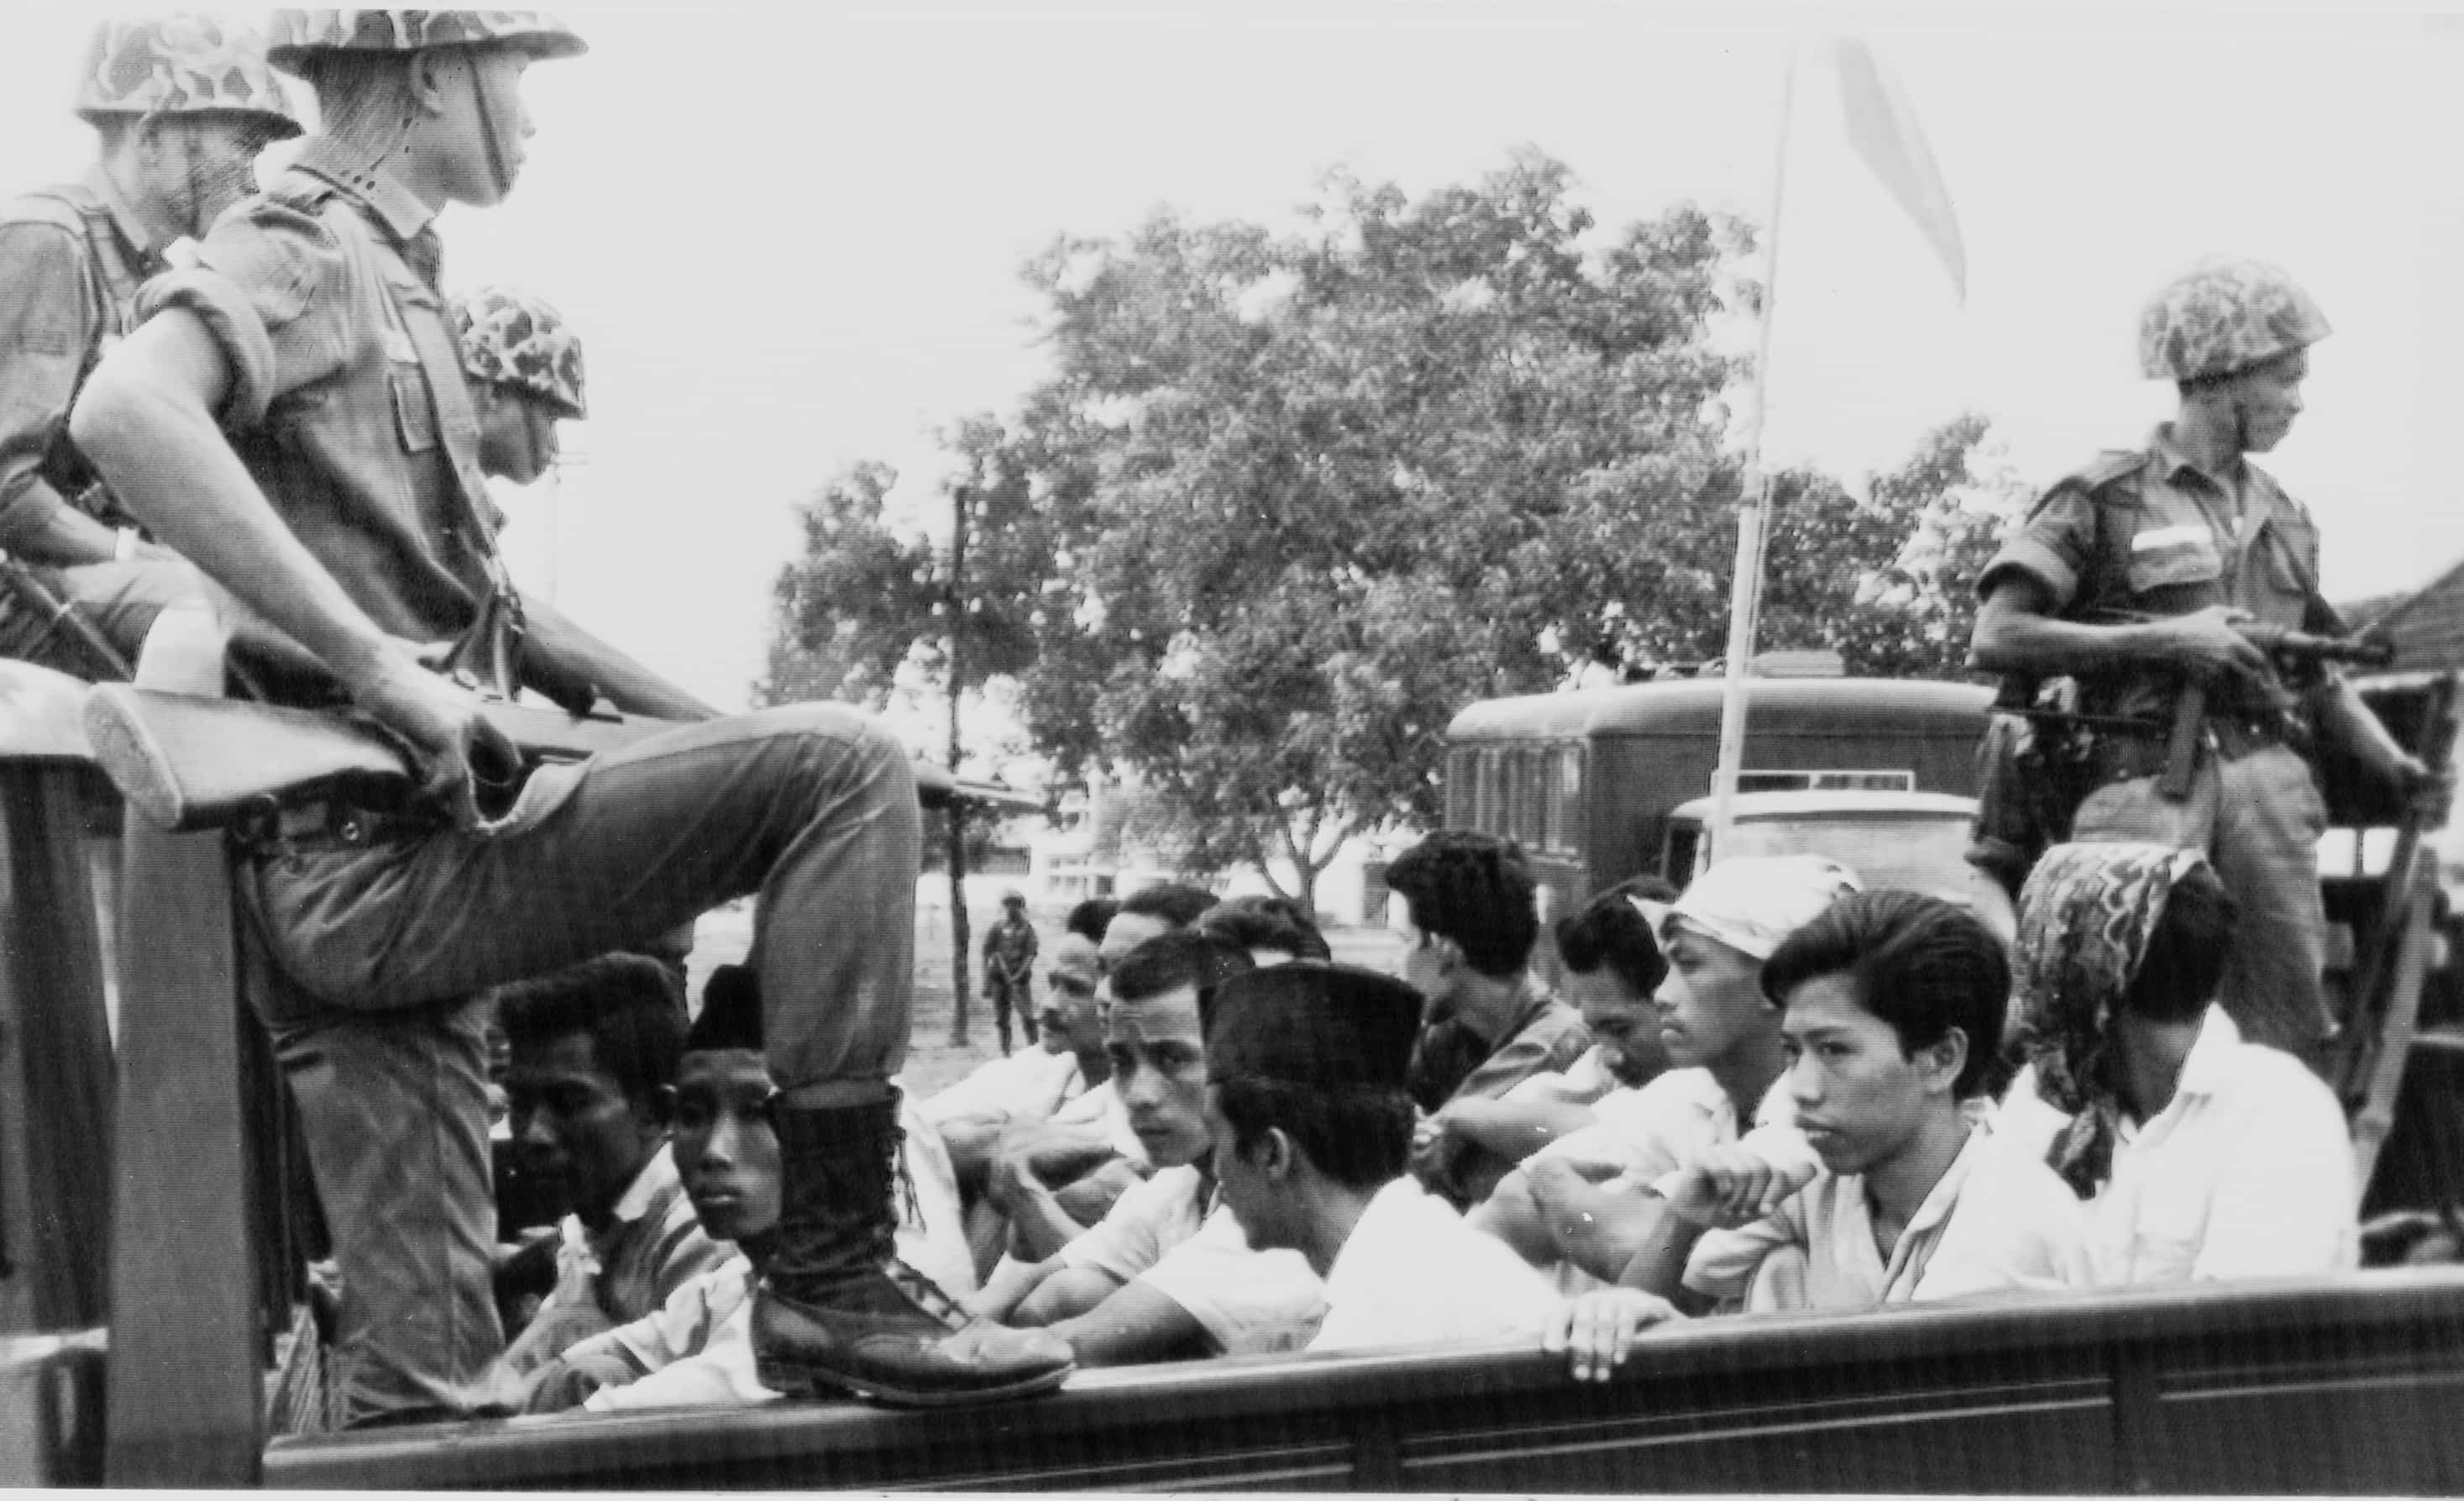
{"x":848,"y":739}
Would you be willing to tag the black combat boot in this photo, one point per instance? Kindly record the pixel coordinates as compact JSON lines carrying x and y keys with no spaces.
{"x":837,"y":1312}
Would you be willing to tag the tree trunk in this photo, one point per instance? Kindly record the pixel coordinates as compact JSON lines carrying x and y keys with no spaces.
{"x":956,"y":814}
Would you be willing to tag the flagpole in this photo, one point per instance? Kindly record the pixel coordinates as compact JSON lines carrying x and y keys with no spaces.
{"x":1744,"y":587}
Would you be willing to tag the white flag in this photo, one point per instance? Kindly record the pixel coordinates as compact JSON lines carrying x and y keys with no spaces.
{"x":1884,"y":129}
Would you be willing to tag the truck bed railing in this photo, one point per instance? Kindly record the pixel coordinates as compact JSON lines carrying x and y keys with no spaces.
{"x":2350,"y":1385}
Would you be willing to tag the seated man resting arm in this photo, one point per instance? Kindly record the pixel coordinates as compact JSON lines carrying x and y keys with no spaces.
{"x":1168,"y":1272}
{"x":1917,"y":1199}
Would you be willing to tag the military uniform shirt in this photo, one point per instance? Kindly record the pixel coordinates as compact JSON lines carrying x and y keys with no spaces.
{"x":72,"y":261}
{"x":2182,"y":547}
{"x":346,"y":399}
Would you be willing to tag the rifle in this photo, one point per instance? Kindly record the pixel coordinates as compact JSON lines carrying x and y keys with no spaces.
{"x":188,"y":762}
{"x":2366,"y":1077}
{"x":2288,"y":649}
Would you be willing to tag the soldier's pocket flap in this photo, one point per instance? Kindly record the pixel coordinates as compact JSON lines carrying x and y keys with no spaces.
{"x":2167,"y":557}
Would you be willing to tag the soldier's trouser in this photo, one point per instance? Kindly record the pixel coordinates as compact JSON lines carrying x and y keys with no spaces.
{"x":1009,"y":995}
{"x":811,"y":806}
{"x":2258,"y":819}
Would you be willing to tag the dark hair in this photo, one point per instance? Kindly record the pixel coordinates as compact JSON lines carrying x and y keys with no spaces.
{"x":2178,"y":974}
{"x":1919,"y":963}
{"x":1475,"y":890}
{"x":1184,"y":956}
{"x":1361,"y":1139}
{"x":1178,"y":905}
{"x":1090,"y":917}
{"x":1610,"y":932}
{"x":731,"y":1012}
{"x":629,"y":1007}
{"x":1266,"y":922}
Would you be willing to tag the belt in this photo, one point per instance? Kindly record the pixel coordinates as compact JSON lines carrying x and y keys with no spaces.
{"x":2128,"y":750}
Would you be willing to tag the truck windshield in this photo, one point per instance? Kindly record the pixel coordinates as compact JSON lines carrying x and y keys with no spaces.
{"x":1913,"y":854}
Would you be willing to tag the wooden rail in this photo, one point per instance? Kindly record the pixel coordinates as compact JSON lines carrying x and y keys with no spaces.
{"x":2354,"y":1385}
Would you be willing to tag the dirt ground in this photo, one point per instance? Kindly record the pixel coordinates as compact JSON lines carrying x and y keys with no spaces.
{"x":932,"y":1061}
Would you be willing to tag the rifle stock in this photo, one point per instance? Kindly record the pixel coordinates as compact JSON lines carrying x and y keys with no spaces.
{"x":188,"y":762}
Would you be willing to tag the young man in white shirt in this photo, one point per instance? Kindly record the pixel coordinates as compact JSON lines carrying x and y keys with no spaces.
{"x":1583,"y":1206}
{"x":1168,"y":1270}
{"x":2199,"y":1155}
{"x":1311,"y":1126}
{"x":1893,"y":1008}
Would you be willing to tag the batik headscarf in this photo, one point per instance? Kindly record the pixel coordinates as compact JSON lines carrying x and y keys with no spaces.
{"x":2084,"y":920}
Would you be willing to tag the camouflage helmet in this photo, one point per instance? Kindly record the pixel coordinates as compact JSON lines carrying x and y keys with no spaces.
{"x":512,"y":338}
{"x":297,"y":35}
{"x":181,"y":64}
{"x":2225,"y":313}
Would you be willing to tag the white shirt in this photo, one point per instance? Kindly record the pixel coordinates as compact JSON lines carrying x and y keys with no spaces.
{"x":932,"y":1236}
{"x":1413,"y":1273}
{"x":1024,"y":1086}
{"x":1650,"y":1133}
{"x":2246,"y":1172}
{"x":1101,"y":1106}
{"x":1168,"y":1233}
{"x":696,"y":1352}
{"x":1995,"y":1222}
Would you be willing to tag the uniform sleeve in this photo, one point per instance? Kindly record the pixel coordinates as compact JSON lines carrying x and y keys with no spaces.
{"x":1243,"y":1299}
{"x":44,"y":334}
{"x":276,"y":289}
{"x":2054,"y":546}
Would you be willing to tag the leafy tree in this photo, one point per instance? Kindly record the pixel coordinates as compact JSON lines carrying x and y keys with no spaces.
{"x":1889,"y":581}
{"x":1317,"y":491}
{"x":863,"y":601}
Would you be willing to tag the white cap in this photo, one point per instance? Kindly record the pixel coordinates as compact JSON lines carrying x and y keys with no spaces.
{"x":1753,"y":902}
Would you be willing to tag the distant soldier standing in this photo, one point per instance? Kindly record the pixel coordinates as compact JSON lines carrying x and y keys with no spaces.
{"x":292,"y":414}
{"x":2130,"y":576}
{"x":1009,"y":968}
{"x":183,"y":105}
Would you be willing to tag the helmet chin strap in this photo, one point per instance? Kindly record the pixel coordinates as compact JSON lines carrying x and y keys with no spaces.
{"x":498,"y":175}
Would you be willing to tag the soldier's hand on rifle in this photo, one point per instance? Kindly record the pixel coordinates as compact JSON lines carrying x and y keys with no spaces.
{"x":466,"y":763}
{"x":2206,"y":642}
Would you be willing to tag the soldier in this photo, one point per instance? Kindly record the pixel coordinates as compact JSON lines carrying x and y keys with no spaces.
{"x":182,"y":106}
{"x":524,"y":364}
{"x":525,"y":367}
{"x":2131,"y":574}
{"x":1009,"y":968}
{"x":293,"y":416}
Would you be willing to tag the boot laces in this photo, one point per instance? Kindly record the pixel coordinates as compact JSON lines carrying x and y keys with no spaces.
{"x":926,"y":1295}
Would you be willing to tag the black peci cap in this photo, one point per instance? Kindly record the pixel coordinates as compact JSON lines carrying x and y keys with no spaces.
{"x":1314,"y":1024}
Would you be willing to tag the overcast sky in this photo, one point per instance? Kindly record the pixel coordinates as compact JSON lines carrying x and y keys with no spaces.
{"x":790,"y":236}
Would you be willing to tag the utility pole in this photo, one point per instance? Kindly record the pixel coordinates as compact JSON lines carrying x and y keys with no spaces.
{"x":954,"y":815}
